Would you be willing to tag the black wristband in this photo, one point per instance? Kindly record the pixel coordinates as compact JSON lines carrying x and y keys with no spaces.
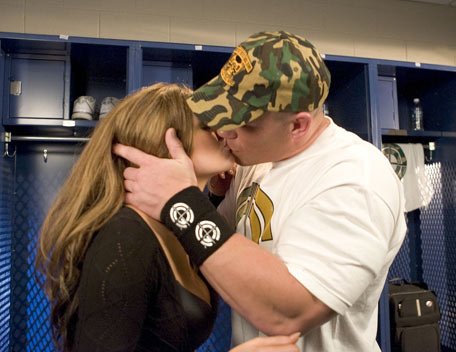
{"x":196,"y":224}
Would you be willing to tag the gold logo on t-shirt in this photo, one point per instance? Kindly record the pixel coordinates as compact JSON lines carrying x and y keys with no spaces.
{"x":255,"y":207}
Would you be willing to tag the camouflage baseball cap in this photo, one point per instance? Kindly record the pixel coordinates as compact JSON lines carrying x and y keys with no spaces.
{"x":270,"y":71}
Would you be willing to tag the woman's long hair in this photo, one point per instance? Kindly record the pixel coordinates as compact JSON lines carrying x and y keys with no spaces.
{"x":94,"y":192}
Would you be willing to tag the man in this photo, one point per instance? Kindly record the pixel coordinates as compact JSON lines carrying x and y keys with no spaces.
{"x":318,"y":211}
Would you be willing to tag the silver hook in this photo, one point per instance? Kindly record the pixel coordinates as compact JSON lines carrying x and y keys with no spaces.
{"x":45,"y":155}
{"x":431,"y":148}
{"x":7,"y":153}
{"x":6,"y":137}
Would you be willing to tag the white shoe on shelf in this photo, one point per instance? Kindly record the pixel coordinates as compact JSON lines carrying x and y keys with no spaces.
{"x":107,"y":104}
{"x":83,"y":108}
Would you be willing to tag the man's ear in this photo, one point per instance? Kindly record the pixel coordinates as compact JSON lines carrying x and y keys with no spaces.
{"x":300,"y":124}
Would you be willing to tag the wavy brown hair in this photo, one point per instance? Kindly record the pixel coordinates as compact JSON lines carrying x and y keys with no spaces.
{"x":94,"y":192}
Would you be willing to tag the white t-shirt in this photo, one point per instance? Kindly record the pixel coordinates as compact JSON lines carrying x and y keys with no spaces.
{"x":334,"y":214}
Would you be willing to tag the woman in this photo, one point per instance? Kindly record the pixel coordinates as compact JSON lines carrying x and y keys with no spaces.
{"x":116,"y":279}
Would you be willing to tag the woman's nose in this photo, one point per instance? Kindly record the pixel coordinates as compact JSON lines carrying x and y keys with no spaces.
{"x":231,"y":134}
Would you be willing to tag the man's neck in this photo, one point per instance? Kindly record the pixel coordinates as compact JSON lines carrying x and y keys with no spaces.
{"x":318,"y":126}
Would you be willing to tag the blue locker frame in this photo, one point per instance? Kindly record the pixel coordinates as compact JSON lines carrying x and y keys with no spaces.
{"x":6,"y":199}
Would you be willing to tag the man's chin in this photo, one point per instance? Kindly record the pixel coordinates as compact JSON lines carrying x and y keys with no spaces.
{"x":241,"y":162}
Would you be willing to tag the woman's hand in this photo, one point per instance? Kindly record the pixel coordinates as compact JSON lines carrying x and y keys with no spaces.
{"x":219,"y":184}
{"x":270,"y":344}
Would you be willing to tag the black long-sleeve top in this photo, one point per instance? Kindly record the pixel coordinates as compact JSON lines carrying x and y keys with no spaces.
{"x":129,"y":299}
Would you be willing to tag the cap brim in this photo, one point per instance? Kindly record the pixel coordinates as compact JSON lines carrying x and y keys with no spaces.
{"x":218,"y":109}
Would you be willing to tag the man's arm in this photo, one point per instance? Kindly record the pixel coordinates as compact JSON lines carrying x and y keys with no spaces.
{"x":253,"y":281}
{"x":258,"y":285}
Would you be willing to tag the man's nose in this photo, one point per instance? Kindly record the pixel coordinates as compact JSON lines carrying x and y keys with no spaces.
{"x":231,"y":134}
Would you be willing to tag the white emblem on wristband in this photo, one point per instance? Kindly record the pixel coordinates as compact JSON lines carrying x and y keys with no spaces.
{"x":207,"y":233}
{"x":181,"y":215}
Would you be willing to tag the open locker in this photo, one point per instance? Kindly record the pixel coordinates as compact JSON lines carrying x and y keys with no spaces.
{"x":40,"y":169}
{"x":429,"y":250}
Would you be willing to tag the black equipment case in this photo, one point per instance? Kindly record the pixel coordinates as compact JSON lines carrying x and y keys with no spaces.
{"x":414,"y":318}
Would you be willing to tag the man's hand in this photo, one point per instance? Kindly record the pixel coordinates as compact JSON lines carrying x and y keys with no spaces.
{"x":150,"y":185}
{"x":270,"y":344}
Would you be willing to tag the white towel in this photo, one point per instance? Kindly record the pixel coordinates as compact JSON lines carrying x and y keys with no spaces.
{"x":417,"y":188}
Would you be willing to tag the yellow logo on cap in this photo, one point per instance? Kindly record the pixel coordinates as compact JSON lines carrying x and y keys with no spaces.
{"x":238,"y":61}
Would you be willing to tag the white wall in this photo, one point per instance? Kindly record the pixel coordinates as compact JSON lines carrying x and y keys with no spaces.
{"x":387,"y":29}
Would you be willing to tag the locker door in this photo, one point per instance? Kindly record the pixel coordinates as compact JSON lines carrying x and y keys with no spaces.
{"x":37,"y":88}
{"x":36,"y":184}
{"x":387,"y":103}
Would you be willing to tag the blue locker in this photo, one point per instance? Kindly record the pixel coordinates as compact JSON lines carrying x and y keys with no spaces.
{"x":36,"y":182}
{"x":37,"y":88}
{"x":154,"y":72}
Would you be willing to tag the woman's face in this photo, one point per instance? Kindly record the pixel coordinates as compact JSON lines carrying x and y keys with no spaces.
{"x":210,"y":155}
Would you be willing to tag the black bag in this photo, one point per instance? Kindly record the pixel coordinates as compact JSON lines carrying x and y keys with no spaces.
{"x":414,"y":318}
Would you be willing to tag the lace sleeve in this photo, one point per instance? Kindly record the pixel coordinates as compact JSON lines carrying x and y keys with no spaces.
{"x":119,"y":277}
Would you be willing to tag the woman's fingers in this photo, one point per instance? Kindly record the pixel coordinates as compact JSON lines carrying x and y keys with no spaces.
{"x":285,"y":343}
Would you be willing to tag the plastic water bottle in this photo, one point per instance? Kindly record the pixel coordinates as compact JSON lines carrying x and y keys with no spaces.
{"x":417,"y":115}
